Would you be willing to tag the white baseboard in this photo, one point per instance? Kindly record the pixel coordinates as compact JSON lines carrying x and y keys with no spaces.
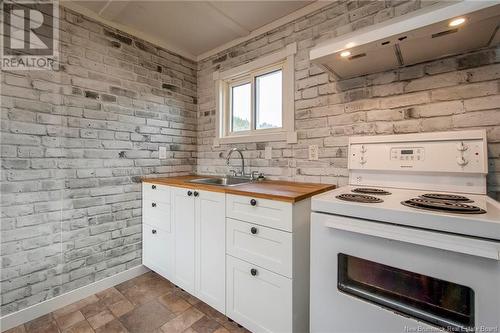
{"x":40,"y":309}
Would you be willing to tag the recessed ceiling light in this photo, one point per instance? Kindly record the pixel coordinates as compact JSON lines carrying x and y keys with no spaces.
{"x":345,"y":54}
{"x":456,"y":22}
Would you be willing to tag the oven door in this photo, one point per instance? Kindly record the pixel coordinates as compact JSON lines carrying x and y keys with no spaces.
{"x":375,"y":277}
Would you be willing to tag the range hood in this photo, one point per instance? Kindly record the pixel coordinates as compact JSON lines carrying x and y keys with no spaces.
{"x":423,"y":35}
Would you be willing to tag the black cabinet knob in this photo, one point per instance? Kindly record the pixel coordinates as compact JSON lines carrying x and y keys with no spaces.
{"x":190,"y":193}
{"x":153,"y":187}
{"x":253,"y":230}
{"x":153,"y":204}
{"x":153,"y":231}
{"x":253,"y":271}
{"x":196,"y":193}
{"x":253,"y":202}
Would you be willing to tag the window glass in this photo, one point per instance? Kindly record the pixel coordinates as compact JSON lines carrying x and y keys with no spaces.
{"x":268,"y":100}
{"x":241,"y":107}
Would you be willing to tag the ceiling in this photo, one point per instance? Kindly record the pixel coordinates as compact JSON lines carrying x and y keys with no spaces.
{"x":191,"y":28}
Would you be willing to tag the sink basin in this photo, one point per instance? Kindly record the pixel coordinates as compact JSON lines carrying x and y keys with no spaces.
{"x":221,"y":181}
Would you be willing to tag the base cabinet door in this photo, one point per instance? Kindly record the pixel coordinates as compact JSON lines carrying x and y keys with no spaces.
{"x":258,"y":299}
{"x":158,"y":250}
{"x":183,"y":216}
{"x":211,"y":249}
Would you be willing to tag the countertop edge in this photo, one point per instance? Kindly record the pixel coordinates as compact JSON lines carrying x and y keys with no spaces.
{"x":177,"y":181}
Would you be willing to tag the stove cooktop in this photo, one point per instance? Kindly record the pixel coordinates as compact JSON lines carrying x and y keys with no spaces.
{"x":444,"y":206}
{"x":359,"y":198}
{"x":475,"y":215}
{"x":371,"y":190}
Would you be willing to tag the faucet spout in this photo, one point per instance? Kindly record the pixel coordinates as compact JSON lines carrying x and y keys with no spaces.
{"x":230,"y":152}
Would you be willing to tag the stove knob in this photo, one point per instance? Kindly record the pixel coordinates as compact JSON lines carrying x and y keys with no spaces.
{"x":462,"y":161}
{"x":462,"y":147}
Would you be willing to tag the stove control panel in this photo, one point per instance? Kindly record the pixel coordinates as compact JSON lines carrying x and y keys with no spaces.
{"x":455,"y":152}
{"x":407,"y":153}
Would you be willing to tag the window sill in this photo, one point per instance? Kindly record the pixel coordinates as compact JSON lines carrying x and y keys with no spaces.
{"x":289,"y":137}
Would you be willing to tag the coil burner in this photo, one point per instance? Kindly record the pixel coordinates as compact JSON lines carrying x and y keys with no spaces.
{"x":447,"y":197}
{"x":368,"y":190}
{"x":443,"y":206}
{"x":359,"y":198}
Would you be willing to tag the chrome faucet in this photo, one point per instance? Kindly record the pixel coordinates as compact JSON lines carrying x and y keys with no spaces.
{"x":229,"y":153}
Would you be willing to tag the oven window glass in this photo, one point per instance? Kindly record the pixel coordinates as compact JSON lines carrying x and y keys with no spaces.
{"x":444,"y":304}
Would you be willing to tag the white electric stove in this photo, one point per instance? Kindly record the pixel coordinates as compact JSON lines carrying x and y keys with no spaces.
{"x":412,"y":244}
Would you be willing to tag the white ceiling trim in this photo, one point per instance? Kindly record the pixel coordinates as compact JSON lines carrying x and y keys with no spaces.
{"x":268,"y":27}
{"x":316,"y":5}
{"x":136,"y":33}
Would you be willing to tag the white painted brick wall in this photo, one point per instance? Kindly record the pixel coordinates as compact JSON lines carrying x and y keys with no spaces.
{"x":72,"y":144}
{"x":458,"y":92}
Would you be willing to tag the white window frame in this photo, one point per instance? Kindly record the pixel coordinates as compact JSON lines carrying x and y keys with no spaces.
{"x":246,"y":73}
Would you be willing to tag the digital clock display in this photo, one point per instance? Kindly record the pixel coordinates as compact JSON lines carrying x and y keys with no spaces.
{"x":407,"y":152}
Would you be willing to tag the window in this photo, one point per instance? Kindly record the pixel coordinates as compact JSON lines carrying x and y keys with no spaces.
{"x":255,"y":100}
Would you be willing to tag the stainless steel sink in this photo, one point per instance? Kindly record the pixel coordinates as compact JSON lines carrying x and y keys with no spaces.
{"x":221,"y":181}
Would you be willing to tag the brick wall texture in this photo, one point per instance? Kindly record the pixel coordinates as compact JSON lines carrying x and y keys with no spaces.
{"x":74,"y":142}
{"x":454,"y":93}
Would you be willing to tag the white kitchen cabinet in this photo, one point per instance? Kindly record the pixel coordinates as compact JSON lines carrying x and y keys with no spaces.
{"x":271,"y":213}
{"x":157,"y":251}
{"x":199,"y":223}
{"x":210,"y":269}
{"x":267,"y":264}
{"x":266,"y":247}
{"x":157,"y":230}
{"x":246,"y":257}
{"x":183,"y":218}
{"x":258,"y":299}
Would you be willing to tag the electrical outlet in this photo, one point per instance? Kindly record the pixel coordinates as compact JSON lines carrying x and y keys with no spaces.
{"x":162,"y":153}
{"x":313,"y":153}
{"x":268,"y":153}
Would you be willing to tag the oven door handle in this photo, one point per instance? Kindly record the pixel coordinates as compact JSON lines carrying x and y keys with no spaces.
{"x":472,"y":246}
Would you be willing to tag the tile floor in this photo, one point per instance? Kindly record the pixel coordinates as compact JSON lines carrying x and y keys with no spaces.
{"x":145,"y":304}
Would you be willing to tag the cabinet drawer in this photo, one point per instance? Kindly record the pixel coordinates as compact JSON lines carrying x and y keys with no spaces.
{"x":158,"y":193}
{"x":158,"y":250}
{"x":270,"y":213}
{"x":157,"y":214}
{"x":259,"y":300}
{"x":265,"y":247}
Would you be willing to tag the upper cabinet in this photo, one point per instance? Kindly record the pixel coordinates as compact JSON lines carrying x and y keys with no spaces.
{"x":436,"y":31}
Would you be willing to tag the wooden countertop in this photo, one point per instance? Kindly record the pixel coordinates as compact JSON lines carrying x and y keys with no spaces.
{"x":267,"y":189}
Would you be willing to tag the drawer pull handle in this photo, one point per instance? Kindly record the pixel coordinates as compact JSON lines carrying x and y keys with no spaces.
{"x":153,"y":187}
{"x":253,"y":230}
{"x":153,"y":204}
{"x":153,"y":231}
{"x":253,"y":271}
{"x":196,"y":193}
{"x":253,"y":202}
{"x":190,"y":193}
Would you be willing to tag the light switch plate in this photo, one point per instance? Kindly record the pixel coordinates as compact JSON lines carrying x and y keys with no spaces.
{"x":162,"y":153}
{"x":268,"y":153}
{"x":313,"y":153}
